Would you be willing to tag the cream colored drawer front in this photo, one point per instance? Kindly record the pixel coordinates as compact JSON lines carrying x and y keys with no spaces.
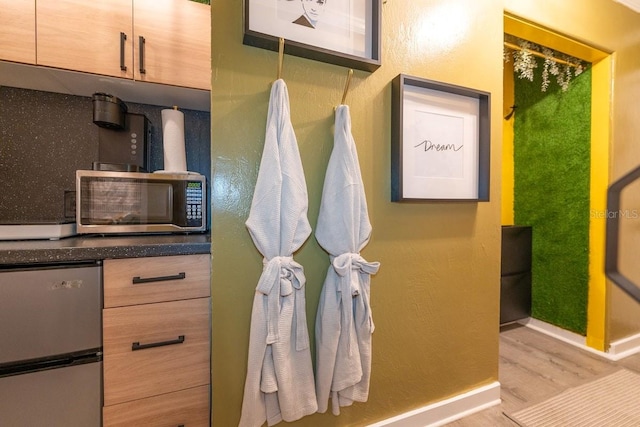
{"x":134,"y":374}
{"x":187,"y":407}
{"x":159,"y":279}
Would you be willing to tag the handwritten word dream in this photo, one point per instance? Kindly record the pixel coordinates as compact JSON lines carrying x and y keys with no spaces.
{"x":430,"y":146}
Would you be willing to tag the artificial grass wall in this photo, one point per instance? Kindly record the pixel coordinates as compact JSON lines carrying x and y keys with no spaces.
{"x":552,"y":134}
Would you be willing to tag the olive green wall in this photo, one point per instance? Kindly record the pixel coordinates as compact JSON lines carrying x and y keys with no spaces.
{"x":435,"y":299}
{"x":613,"y":28}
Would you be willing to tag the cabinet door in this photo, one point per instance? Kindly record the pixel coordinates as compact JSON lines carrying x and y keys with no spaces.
{"x":86,"y":36}
{"x":18,"y":30}
{"x":177,"y":42}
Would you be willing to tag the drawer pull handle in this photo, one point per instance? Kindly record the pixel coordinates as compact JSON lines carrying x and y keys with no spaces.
{"x":139,"y":279}
{"x":123,"y":38}
{"x":137,"y":346}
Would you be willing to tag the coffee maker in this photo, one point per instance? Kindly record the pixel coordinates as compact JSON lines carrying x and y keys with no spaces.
{"x":123,"y":137}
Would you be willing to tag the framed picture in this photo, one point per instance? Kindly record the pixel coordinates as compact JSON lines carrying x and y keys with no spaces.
{"x":341,"y":32}
{"x":440,"y":141}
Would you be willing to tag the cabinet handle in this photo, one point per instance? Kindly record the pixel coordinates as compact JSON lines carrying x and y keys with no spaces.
{"x":137,"y":346}
{"x":141,"y":50}
{"x":123,"y":38}
{"x":136,"y":280}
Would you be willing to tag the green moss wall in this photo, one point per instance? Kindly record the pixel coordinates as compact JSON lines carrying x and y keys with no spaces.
{"x":435,"y":299}
{"x":552,"y":138}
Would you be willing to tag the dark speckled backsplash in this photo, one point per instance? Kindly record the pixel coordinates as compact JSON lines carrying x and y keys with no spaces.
{"x":45,"y":137}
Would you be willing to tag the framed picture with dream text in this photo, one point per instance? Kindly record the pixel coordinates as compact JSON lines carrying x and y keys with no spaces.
{"x":440,"y":141}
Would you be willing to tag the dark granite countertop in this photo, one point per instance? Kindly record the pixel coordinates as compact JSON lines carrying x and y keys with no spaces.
{"x":98,"y":247}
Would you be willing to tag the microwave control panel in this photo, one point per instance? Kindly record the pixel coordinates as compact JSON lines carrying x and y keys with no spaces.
{"x":194,"y":203}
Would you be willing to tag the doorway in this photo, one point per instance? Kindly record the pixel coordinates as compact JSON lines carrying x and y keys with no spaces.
{"x":594,"y":300}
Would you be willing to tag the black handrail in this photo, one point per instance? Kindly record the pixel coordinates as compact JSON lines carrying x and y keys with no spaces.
{"x":613,"y":215}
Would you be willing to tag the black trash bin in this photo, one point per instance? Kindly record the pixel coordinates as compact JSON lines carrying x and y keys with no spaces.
{"x":515,"y":273}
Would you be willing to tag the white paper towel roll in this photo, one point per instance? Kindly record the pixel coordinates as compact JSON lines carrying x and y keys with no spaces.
{"x":175,"y":158}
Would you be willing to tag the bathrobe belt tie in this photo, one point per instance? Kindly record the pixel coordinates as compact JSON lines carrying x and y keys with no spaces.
{"x":281,"y":276}
{"x":349,"y":266}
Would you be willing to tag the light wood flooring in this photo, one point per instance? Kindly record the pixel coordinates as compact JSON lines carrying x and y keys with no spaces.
{"x":535,"y":367}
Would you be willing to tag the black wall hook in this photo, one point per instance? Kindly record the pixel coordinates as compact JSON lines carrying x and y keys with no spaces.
{"x":511,"y":113}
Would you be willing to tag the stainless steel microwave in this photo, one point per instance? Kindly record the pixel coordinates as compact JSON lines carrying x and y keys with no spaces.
{"x":134,"y":202}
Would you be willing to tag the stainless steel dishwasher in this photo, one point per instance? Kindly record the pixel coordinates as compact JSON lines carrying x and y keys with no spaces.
{"x":51,"y":346}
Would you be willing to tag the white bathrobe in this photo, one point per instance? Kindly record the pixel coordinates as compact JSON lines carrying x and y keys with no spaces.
{"x":279,"y":383}
{"x":344,"y":323}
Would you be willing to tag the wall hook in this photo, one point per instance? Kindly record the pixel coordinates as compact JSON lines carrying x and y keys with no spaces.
{"x":280,"y":56}
{"x":346,"y":86}
{"x":511,"y":113}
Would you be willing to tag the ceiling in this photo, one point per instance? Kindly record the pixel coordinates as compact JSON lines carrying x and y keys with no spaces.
{"x":631,"y":4}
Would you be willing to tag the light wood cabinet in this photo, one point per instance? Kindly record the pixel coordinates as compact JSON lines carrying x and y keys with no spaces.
{"x":177,"y":42}
{"x":147,"y":280}
{"x":85,"y":36}
{"x":158,"y":41}
{"x":18,"y":31}
{"x":186,"y":407}
{"x":156,"y":340}
{"x":153,"y":349}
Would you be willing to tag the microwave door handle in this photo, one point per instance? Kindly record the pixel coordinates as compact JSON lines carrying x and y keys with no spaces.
{"x":137,"y":280}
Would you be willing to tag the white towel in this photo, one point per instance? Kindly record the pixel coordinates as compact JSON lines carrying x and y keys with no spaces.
{"x":279,"y":383}
{"x":344,"y":323}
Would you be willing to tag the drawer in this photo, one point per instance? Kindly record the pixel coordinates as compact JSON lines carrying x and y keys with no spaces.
{"x":186,"y":407}
{"x":131,"y":281}
{"x":164,"y":363}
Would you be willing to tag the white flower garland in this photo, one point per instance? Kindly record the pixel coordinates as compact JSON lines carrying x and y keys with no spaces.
{"x":524,"y":63}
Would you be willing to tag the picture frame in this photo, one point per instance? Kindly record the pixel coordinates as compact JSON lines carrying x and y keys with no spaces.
{"x":345,"y":32}
{"x":440,"y":141}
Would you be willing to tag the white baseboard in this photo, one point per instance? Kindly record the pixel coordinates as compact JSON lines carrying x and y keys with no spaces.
{"x":557,"y":332}
{"x":617,"y":350}
{"x":625,"y":347}
{"x":446,"y":411}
